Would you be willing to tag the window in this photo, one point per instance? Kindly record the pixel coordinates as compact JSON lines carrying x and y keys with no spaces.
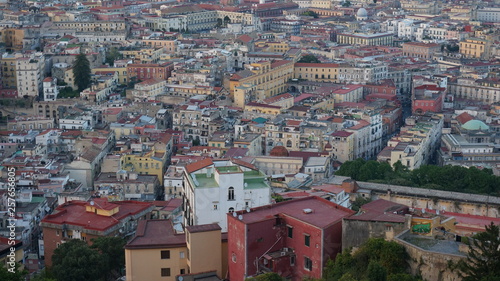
{"x":307,"y":240}
{"x":165,"y":272}
{"x":230,"y":194}
{"x":165,"y":255}
{"x":183,"y":271}
{"x":215,"y":207}
{"x":290,"y":232}
{"x":308,"y":263}
{"x":292,"y":260}
{"x":231,"y":210}
{"x":181,"y":255}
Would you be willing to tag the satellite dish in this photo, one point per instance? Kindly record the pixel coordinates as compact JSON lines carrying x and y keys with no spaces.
{"x":234,"y":214}
{"x":180,"y":278}
{"x":240,"y":217}
{"x":91,"y":203}
{"x":248,"y":209}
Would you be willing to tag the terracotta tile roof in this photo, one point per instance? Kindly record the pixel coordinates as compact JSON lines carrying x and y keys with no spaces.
{"x":464,"y":118}
{"x":153,"y":234}
{"x":193,"y":167}
{"x":244,"y":164}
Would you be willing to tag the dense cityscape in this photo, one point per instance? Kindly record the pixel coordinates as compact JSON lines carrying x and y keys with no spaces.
{"x":250,"y":140}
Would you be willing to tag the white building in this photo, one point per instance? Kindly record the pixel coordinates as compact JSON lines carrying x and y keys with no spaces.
{"x":489,"y":14}
{"x":50,"y":90}
{"x":213,"y":189}
{"x":30,"y":72}
{"x":74,"y":124}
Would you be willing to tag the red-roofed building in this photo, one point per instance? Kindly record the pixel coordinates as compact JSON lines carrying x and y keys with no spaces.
{"x":293,"y":238}
{"x":87,"y":220}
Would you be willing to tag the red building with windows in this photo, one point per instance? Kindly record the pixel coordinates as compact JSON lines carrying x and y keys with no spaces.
{"x":428,"y":98}
{"x":87,"y":220}
{"x":147,"y":71}
{"x":294,"y":238}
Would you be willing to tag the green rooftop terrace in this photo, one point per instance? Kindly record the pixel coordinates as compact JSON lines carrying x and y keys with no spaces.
{"x":228,"y":169}
{"x":202,"y":181}
{"x":255,"y":183}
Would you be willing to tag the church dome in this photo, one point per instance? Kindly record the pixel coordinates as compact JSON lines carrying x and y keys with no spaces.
{"x":475,"y":125}
{"x":362,"y":13}
{"x":279,"y":151}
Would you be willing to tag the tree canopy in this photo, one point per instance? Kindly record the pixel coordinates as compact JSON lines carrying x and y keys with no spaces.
{"x":113,"y":55}
{"x":111,"y":248}
{"x":270,"y":276}
{"x":376,"y":260}
{"x":449,"y":178}
{"x":483,"y":258}
{"x":309,"y":59}
{"x":74,"y":260}
{"x":310,"y":14}
{"x":81,"y":72}
{"x":18,"y":275}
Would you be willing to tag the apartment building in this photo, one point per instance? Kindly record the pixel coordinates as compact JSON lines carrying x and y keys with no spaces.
{"x":169,"y":46}
{"x":30,"y":70}
{"x":421,"y":50}
{"x":269,"y":78}
{"x":298,"y":237}
{"x":214,"y":188}
{"x":146,"y":160}
{"x":488,"y":14}
{"x":50,"y":90}
{"x":360,"y":72}
{"x":160,"y":251}
{"x":417,"y":142}
{"x":473,"y":47}
{"x":484,"y":90}
{"x":9,"y":70}
{"x":149,"y":71}
{"x":375,"y":39}
{"x":342,"y":145}
{"x":148,"y":90}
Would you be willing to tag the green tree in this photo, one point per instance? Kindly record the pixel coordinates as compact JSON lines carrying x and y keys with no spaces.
{"x":111,"y":249}
{"x":113,"y":55}
{"x":43,"y":276}
{"x":81,"y":72}
{"x":376,"y":272}
{"x":346,"y":4}
{"x":76,"y":261}
{"x":483,"y":258}
{"x":360,"y":201}
{"x":310,"y":14}
{"x":17,"y":275}
{"x":347,"y":277}
{"x":270,"y":276}
{"x":309,"y":59}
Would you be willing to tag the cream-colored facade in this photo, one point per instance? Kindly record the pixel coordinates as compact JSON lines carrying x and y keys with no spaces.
{"x":268,"y":78}
{"x":342,"y":145}
{"x":147,"y":264}
{"x":473,"y":47}
{"x":149,"y":55}
{"x":377,"y":39}
{"x":169,"y":46}
{"x":148,"y":89}
{"x":274,"y":165}
{"x":120,"y":71}
{"x":91,"y":26}
{"x":204,"y":250}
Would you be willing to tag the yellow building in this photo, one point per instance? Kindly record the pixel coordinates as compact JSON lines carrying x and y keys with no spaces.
{"x":121,"y":71}
{"x":473,"y":47}
{"x":147,"y":55}
{"x":150,"y":162}
{"x":262,"y":108}
{"x":317,"y":72}
{"x":375,"y":39}
{"x":160,"y":252}
{"x":5,"y":247}
{"x":9,"y":73}
{"x":13,"y":38}
{"x":278,"y":47}
{"x":169,"y":46}
{"x":268,"y":78}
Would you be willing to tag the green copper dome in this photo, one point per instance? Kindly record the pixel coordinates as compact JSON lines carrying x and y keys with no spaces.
{"x":475,"y":125}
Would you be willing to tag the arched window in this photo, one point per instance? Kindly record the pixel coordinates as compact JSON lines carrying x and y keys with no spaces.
{"x":230,"y":194}
{"x":288,"y":143}
{"x":231,"y":210}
